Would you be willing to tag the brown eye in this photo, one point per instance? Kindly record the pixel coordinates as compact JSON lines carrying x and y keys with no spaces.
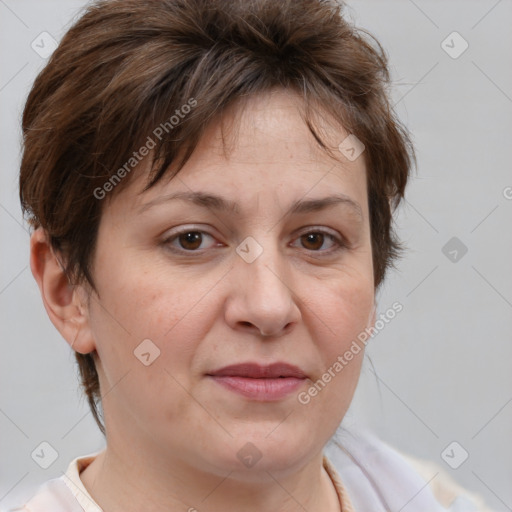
{"x":313,"y":241}
{"x":190,"y":240}
{"x":322,"y":243}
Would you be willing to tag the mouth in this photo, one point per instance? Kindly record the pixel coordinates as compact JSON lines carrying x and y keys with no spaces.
{"x":264,"y":383}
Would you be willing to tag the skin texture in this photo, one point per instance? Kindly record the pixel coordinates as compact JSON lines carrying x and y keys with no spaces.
{"x":173,"y":434}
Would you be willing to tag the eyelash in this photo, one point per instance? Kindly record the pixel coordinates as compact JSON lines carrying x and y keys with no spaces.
{"x":339,"y":242}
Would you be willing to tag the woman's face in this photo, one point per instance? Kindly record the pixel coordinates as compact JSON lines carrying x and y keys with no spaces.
{"x":258,"y":279}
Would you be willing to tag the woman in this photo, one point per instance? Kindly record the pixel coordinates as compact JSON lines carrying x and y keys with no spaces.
{"x":211,"y":186}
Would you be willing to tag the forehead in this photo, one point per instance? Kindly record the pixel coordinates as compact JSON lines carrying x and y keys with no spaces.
{"x":271,"y":127}
{"x":261,"y":148}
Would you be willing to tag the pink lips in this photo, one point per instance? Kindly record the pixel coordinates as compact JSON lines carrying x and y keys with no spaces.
{"x":260,"y":382}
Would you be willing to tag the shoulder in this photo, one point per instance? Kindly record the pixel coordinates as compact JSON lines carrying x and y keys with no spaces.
{"x":379,"y":478}
{"x":445,"y":488}
{"x":64,"y":494}
{"x":52,"y":496}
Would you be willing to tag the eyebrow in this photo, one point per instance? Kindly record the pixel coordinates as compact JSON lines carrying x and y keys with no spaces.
{"x":218,"y":203}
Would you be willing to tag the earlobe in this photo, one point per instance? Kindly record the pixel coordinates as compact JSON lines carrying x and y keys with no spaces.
{"x":63,"y":301}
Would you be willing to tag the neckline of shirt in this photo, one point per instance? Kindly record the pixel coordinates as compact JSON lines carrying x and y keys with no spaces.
{"x":74,"y":483}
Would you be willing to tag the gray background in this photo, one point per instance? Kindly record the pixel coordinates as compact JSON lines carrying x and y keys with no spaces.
{"x":441,"y":368}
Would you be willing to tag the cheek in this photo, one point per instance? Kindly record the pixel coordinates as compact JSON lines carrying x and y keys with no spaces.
{"x":148,"y":302}
{"x":340,"y":317}
{"x":345,"y":307}
{"x":133,"y":310}
{"x":342,"y":311}
{"x":354,"y":313}
{"x":345,"y":311}
{"x":140,"y":297}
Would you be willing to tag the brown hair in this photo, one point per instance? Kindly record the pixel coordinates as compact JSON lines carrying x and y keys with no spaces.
{"x":126,"y":67}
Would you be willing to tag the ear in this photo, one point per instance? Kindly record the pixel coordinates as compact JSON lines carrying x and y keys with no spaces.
{"x":65,"y":303}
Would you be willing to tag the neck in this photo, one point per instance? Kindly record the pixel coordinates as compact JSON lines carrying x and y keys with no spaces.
{"x":132,"y":482}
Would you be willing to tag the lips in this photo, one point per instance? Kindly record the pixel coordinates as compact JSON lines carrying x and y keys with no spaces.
{"x":261,"y":383}
{"x":257,"y":371}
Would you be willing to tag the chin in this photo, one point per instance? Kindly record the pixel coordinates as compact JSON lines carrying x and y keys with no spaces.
{"x":260,"y":450}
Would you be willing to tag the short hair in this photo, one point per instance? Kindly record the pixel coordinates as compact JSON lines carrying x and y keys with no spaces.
{"x":126,"y":67}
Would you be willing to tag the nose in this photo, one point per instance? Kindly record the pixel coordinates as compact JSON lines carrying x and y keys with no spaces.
{"x":262,"y":298}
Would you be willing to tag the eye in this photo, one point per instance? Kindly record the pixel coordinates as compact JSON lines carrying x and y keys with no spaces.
{"x":315,"y":240}
{"x":192,"y":240}
{"x":187,"y":240}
